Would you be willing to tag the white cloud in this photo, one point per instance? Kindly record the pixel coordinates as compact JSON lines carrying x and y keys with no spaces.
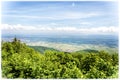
{"x":29,"y":16}
{"x":58,"y":16}
{"x":19,"y":27}
{"x":53,"y":24}
{"x":86,"y":23}
{"x":76,"y":15}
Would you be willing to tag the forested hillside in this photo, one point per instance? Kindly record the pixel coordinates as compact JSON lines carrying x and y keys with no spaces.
{"x":21,"y":61}
{"x":42,"y":49}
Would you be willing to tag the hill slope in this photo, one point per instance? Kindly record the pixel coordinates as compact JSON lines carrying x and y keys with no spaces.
{"x":42,"y":49}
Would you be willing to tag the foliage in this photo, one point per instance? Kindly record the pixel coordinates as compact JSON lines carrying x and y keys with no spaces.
{"x":42,"y":49}
{"x":21,"y":61}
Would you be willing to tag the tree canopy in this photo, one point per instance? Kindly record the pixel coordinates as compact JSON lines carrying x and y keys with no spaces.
{"x":21,"y":61}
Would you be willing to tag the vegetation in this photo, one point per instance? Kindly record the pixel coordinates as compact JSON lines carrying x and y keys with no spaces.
{"x":42,"y":49}
{"x":21,"y":61}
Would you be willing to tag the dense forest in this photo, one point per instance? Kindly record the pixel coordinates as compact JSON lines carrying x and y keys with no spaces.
{"x":22,"y":61}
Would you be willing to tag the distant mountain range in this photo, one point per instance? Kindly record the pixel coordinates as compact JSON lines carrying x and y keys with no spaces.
{"x":42,"y":49}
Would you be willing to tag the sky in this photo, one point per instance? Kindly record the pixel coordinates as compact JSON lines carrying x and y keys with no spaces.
{"x":30,"y":17}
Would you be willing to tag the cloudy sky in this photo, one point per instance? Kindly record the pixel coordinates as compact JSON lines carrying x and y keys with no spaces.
{"x":83,"y":16}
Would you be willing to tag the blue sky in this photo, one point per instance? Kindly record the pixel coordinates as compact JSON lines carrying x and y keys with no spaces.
{"x":70,"y":16}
